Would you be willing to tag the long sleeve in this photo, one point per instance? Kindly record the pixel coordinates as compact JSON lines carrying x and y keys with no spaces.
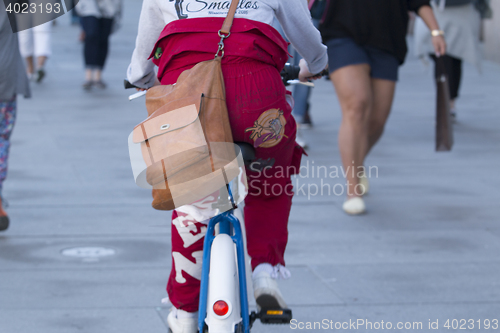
{"x":141,"y":70}
{"x":304,"y":37}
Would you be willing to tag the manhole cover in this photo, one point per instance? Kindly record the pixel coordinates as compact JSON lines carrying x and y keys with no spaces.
{"x":88,"y":252}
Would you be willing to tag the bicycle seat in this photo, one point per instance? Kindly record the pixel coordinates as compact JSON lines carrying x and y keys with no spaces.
{"x":247,"y":151}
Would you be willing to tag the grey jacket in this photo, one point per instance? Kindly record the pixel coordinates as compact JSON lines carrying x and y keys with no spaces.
{"x":13,"y":79}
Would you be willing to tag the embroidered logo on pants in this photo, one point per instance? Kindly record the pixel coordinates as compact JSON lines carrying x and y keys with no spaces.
{"x":269,"y":129}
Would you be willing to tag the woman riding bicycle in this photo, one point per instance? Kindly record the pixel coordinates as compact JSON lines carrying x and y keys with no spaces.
{"x":254,"y":55}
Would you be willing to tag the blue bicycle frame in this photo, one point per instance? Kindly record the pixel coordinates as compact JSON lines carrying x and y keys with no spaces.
{"x":228,"y":224}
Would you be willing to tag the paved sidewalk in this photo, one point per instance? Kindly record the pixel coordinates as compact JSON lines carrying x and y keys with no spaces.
{"x":428,"y":249}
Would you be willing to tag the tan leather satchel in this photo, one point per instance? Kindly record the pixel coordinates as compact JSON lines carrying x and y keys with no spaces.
{"x":186,"y":142}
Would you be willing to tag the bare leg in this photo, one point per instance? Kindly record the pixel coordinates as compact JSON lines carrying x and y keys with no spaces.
{"x":383,"y":96}
{"x":354,"y":90}
{"x":98,"y":83}
{"x":88,"y":75}
{"x":97,"y":75}
{"x":29,"y":65}
{"x":41,"y":61}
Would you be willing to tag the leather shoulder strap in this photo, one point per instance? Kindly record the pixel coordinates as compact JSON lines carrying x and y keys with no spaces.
{"x":228,"y":22}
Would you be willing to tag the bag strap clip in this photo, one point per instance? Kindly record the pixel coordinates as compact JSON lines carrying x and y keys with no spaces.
{"x":221,"y":44}
{"x":225,"y":31}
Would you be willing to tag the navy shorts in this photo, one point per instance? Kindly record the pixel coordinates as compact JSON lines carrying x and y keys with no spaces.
{"x":345,"y":52}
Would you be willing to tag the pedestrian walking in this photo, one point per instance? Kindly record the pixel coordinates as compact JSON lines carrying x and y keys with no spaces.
{"x":259,"y":114}
{"x":461,"y":22}
{"x":99,"y":19}
{"x":301,"y":93}
{"x":35,"y":48}
{"x":35,"y":37}
{"x":14,"y":81}
{"x":366,"y":45}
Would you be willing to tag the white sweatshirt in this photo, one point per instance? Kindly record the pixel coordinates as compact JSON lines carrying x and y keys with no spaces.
{"x":293,"y":15}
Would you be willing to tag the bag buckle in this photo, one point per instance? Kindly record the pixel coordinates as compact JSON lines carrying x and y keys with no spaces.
{"x":221,"y":44}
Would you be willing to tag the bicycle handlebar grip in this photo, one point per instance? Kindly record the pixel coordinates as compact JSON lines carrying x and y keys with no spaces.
{"x":128,"y":85}
{"x":289,"y":72}
{"x":325,"y":72}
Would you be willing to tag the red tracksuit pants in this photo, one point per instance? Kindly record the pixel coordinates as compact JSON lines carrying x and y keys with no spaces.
{"x":259,"y":115}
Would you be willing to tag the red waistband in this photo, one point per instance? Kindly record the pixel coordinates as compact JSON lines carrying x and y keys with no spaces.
{"x":189,"y":41}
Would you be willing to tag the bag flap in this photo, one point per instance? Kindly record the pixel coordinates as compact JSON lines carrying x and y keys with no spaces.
{"x":165,"y":122}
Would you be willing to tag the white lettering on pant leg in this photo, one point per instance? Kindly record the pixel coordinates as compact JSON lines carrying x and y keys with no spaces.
{"x":201,"y":210}
{"x":184,"y":264}
{"x":188,"y":231}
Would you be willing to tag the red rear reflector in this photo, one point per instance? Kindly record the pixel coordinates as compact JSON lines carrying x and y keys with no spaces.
{"x":221,"y":308}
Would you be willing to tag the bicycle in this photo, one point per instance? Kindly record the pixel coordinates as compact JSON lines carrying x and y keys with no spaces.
{"x":223,"y":305}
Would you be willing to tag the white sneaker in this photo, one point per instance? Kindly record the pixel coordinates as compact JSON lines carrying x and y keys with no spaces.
{"x":354,"y":206}
{"x":300,"y":140}
{"x":364,"y":184}
{"x":182,"y":322}
{"x":266,"y":292}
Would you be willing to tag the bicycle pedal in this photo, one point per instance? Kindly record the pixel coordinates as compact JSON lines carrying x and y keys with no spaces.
{"x":275,"y":316}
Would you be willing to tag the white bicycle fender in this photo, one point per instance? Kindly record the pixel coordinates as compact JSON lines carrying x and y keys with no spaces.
{"x":223,"y":285}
